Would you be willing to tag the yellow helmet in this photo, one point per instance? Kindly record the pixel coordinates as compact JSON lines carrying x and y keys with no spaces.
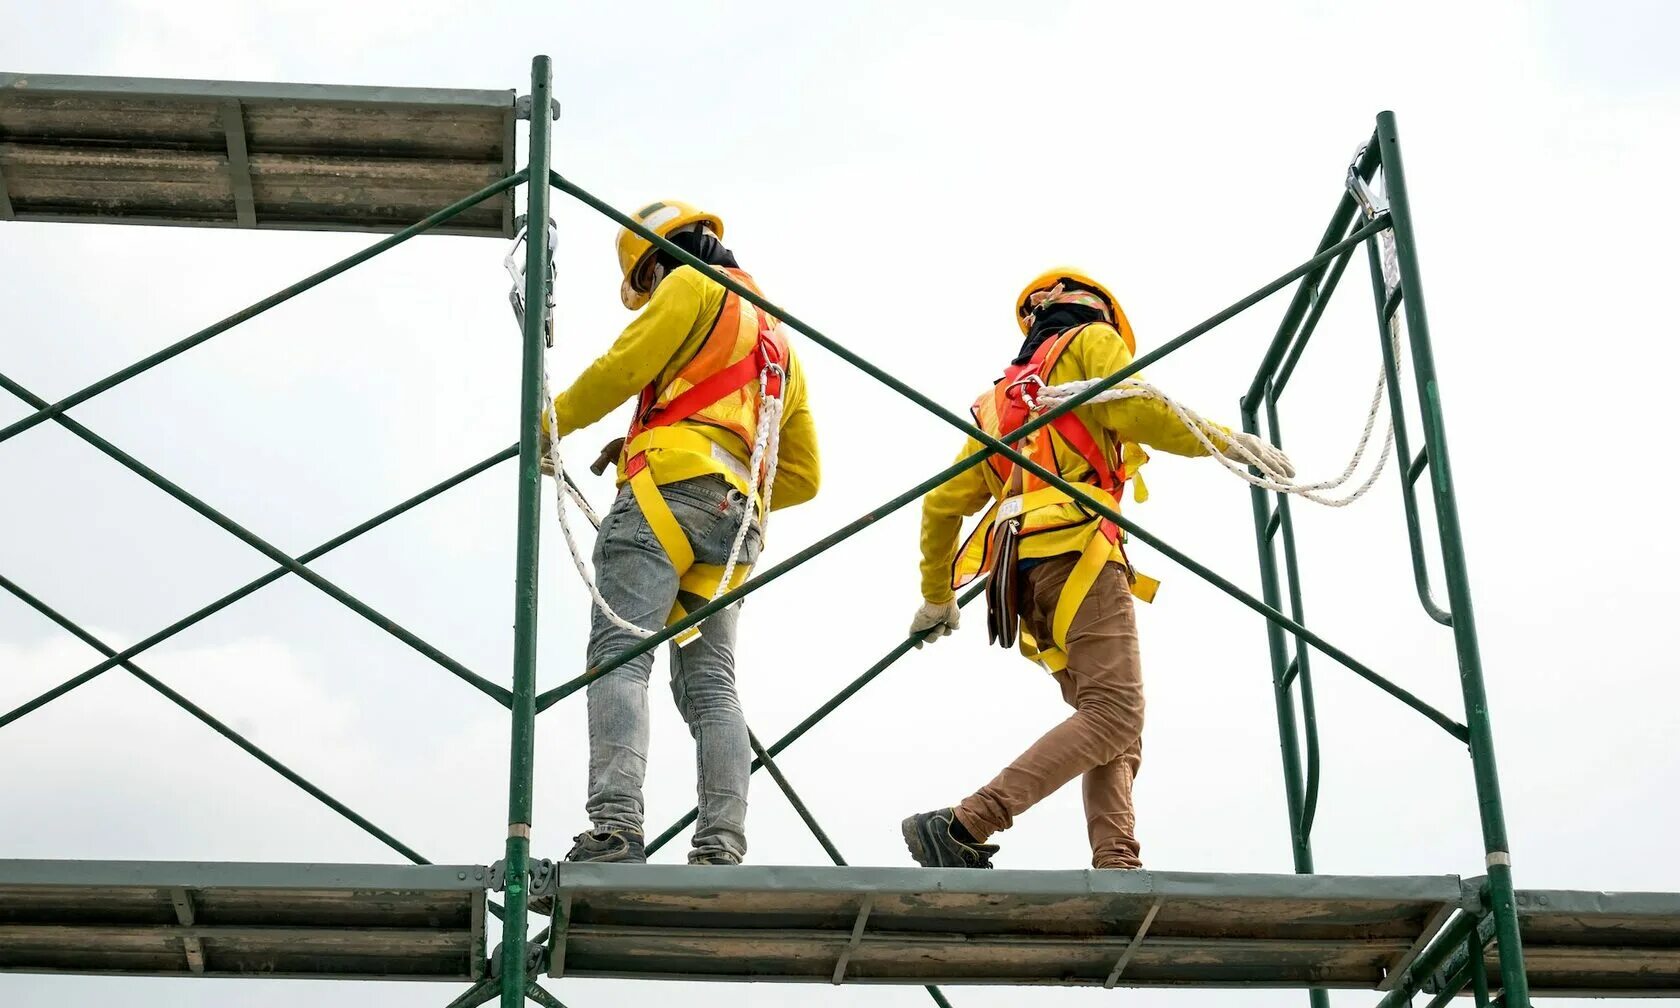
{"x":662,"y":219}
{"x":1050,"y":277}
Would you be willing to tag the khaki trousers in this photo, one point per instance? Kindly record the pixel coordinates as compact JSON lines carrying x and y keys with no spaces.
{"x":1102,"y":740}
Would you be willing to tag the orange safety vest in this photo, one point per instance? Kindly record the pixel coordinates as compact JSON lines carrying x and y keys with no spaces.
{"x":720,"y":386}
{"x":1039,"y":506}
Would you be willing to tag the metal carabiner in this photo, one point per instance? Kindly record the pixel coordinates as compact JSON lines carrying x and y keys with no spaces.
{"x":514,"y":263}
{"x":1027,"y":397}
{"x":1373,"y":205}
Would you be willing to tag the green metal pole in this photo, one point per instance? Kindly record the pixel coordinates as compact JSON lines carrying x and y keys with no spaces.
{"x":799,"y":806}
{"x":1403,"y":445}
{"x":1302,"y":660}
{"x":1478,"y":973}
{"x":1289,"y":742}
{"x":479,"y":993}
{"x":1412,"y":978}
{"x":541,"y":996}
{"x":1303,"y":297}
{"x":522,"y":746}
{"x":49,"y":410}
{"x":1501,"y":891}
{"x":1310,"y":326}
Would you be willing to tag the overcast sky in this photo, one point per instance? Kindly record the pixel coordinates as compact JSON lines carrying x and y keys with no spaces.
{"x":892,"y":172}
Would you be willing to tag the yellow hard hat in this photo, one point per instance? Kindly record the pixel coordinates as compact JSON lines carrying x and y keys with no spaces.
{"x":1050,"y":277}
{"x":662,"y":219}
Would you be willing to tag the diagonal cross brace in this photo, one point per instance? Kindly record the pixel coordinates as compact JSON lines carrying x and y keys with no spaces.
{"x":111,"y":381}
{"x":261,"y":545}
{"x":230,"y":598}
{"x":992,"y":445}
{"x":798,"y":731}
{"x":213,"y":724}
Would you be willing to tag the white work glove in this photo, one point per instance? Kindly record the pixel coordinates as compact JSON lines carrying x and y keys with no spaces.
{"x":1245,"y":448}
{"x":935,"y":620}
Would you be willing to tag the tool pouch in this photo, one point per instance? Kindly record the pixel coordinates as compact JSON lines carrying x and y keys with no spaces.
{"x":1003,"y":591}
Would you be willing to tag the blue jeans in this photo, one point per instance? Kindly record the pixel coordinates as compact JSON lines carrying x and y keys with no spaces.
{"x":639,"y":582}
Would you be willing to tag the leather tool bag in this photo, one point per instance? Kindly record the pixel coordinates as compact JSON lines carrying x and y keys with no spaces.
{"x":1003,"y":590}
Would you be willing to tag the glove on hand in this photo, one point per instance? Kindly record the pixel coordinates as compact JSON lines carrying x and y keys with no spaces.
{"x":1243,"y":447}
{"x":935,"y":620}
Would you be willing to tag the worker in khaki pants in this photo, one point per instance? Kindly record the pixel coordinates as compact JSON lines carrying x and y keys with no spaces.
{"x":1058,"y":574}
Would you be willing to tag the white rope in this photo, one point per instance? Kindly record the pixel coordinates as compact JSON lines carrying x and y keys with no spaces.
{"x":563,"y":488}
{"x":767,"y":447}
{"x":765,"y":456}
{"x":1374,"y":204}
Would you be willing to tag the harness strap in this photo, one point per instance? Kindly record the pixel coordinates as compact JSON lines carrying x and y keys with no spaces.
{"x":693,"y":578}
{"x":670,"y":534}
{"x":714,"y":387}
{"x":681,"y":439}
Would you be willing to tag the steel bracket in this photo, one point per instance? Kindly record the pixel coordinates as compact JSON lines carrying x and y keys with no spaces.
{"x":534,"y":953}
{"x":541,"y":880}
{"x":522,"y":107}
{"x":545,"y":878}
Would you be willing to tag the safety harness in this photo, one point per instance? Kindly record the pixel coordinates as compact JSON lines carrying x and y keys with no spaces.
{"x":1026,"y":503}
{"x":744,"y":345}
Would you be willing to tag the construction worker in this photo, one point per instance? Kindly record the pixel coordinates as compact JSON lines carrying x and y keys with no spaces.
{"x":1057,"y":570}
{"x":704,"y":365}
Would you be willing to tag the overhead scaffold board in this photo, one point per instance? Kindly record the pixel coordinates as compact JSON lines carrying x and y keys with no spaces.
{"x":124,"y":150}
{"x":229,"y":919}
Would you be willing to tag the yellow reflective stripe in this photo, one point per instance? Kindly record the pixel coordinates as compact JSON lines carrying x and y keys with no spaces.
{"x":664,"y":524}
{"x":679,"y":438}
{"x":686,"y":439}
{"x":970,"y":558}
{"x":969,"y":561}
{"x":1078,"y":585}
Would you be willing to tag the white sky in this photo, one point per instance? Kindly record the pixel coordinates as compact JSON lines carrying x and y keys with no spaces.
{"x":891,"y":172}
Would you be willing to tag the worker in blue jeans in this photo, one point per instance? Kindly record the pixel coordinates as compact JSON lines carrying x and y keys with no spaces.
{"x":713,"y":377}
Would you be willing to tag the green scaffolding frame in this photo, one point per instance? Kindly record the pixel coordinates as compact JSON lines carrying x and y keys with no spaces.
{"x":1453,"y":961}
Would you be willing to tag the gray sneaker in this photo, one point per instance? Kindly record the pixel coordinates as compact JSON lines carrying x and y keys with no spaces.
{"x":608,"y":846}
{"x":928,"y":835}
{"x":713,"y":858}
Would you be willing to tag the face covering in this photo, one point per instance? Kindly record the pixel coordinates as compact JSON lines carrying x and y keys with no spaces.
{"x":701,"y":246}
{"x":1055,"y":315}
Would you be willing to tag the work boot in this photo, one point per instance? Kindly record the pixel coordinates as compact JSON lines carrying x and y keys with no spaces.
{"x":713,"y":858}
{"x":608,"y":846}
{"x":933,"y":845}
{"x":600,"y":847}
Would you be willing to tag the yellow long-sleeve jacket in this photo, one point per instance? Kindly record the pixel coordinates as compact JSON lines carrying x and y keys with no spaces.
{"x":657,"y":345}
{"x":1096,"y":352}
